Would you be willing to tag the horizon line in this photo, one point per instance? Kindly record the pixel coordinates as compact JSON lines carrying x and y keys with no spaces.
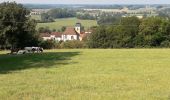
{"x":92,"y":3}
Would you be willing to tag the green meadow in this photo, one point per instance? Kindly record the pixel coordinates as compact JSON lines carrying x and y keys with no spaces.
{"x":36,"y":17}
{"x":68,"y":22}
{"x":86,"y":74}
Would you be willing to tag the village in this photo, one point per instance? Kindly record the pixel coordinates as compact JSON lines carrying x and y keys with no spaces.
{"x":71,"y":33}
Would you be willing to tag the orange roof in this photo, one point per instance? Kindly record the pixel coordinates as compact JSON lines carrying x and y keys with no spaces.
{"x":57,"y":34}
{"x":82,"y":32}
{"x":70,"y":31}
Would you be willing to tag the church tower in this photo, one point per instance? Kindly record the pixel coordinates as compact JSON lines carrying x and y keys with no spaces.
{"x":78,"y":28}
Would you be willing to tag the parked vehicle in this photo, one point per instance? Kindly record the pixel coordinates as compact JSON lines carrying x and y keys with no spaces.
{"x":22,"y":52}
{"x":34,"y":49}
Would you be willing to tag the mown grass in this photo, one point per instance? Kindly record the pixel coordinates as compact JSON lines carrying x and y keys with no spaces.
{"x":68,"y":22}
{"x":86,"y":74}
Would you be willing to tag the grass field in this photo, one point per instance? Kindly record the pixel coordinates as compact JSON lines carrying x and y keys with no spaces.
{"x":36,"y":17}
{"x":70,"y":22}
{"x":96,"y":74}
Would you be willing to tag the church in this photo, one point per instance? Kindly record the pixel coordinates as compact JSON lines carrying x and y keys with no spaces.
{"x":70,"y":33}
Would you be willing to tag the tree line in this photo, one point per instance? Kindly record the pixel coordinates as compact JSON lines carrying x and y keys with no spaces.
{"x":131,"y":32}
{"x":51,"y":15}
{"x":86,"y":16}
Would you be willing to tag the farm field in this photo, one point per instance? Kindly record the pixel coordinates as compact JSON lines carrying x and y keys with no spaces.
{"x":36,"y":17}
{"x":86,"y":74}
{"x":70,"y":22}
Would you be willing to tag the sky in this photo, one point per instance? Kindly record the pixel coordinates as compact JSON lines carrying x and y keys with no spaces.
{"x":92,"y":1}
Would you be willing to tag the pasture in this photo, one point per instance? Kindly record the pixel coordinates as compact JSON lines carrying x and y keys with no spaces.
{"x":86,"y":74}
{"x":36,"y":17}
{"x":70,"y":22}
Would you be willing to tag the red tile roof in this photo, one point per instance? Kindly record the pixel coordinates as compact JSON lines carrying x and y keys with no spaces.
{"x":57,"y":34}
{"x":82,"y":32}
{"x":70,"y":31}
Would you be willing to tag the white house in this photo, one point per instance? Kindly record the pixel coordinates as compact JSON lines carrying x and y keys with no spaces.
{"x":53,"y":36}
{"x":70,"y":34}
{"x":56,"y":36}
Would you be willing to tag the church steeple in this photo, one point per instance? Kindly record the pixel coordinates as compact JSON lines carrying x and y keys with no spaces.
{"x":78,"y":28}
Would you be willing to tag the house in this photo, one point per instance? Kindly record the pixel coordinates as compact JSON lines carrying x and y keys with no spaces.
{"x":56,"y":36}
{"x":75,"y":33}
{"x":70,"y":33}
{"x":53,"y":36}
{"x":38,"y":11}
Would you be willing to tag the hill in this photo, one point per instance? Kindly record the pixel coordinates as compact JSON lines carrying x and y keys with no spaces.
{"x":66,"y":22}
{"x":96,"y":74}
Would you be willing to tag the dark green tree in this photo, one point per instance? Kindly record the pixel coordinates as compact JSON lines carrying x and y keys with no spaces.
{"x":150,"y":29}
{"x":44,"y":30}
{"x":116,"y":35}
{"x":61,"y":13}
{"x":16,"y":27}
{"x":46,"y":18}
{"x":126,"y":31}
{"x":99,"y":38}
{"x":63,"y":28}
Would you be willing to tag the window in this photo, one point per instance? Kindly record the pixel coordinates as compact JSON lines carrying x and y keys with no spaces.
{"x":65,"y":36}
{"x":72,"y":38}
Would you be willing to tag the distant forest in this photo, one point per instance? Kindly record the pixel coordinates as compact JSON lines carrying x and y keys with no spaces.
{"x":94,"y":6}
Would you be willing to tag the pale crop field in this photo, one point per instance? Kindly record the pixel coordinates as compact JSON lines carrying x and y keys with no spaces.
{"x":86,"y":74}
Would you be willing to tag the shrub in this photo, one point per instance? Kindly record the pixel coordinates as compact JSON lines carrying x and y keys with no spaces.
{"x":48,"y":44}
{"x":165,"y":43}
{"x":73,"y":44}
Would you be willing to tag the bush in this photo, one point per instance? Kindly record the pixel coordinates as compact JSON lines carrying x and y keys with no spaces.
{"x":44,"y":30}
{"x":165,"y":43}
{"x":73,"y":44}
{"x":48,"y":44}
